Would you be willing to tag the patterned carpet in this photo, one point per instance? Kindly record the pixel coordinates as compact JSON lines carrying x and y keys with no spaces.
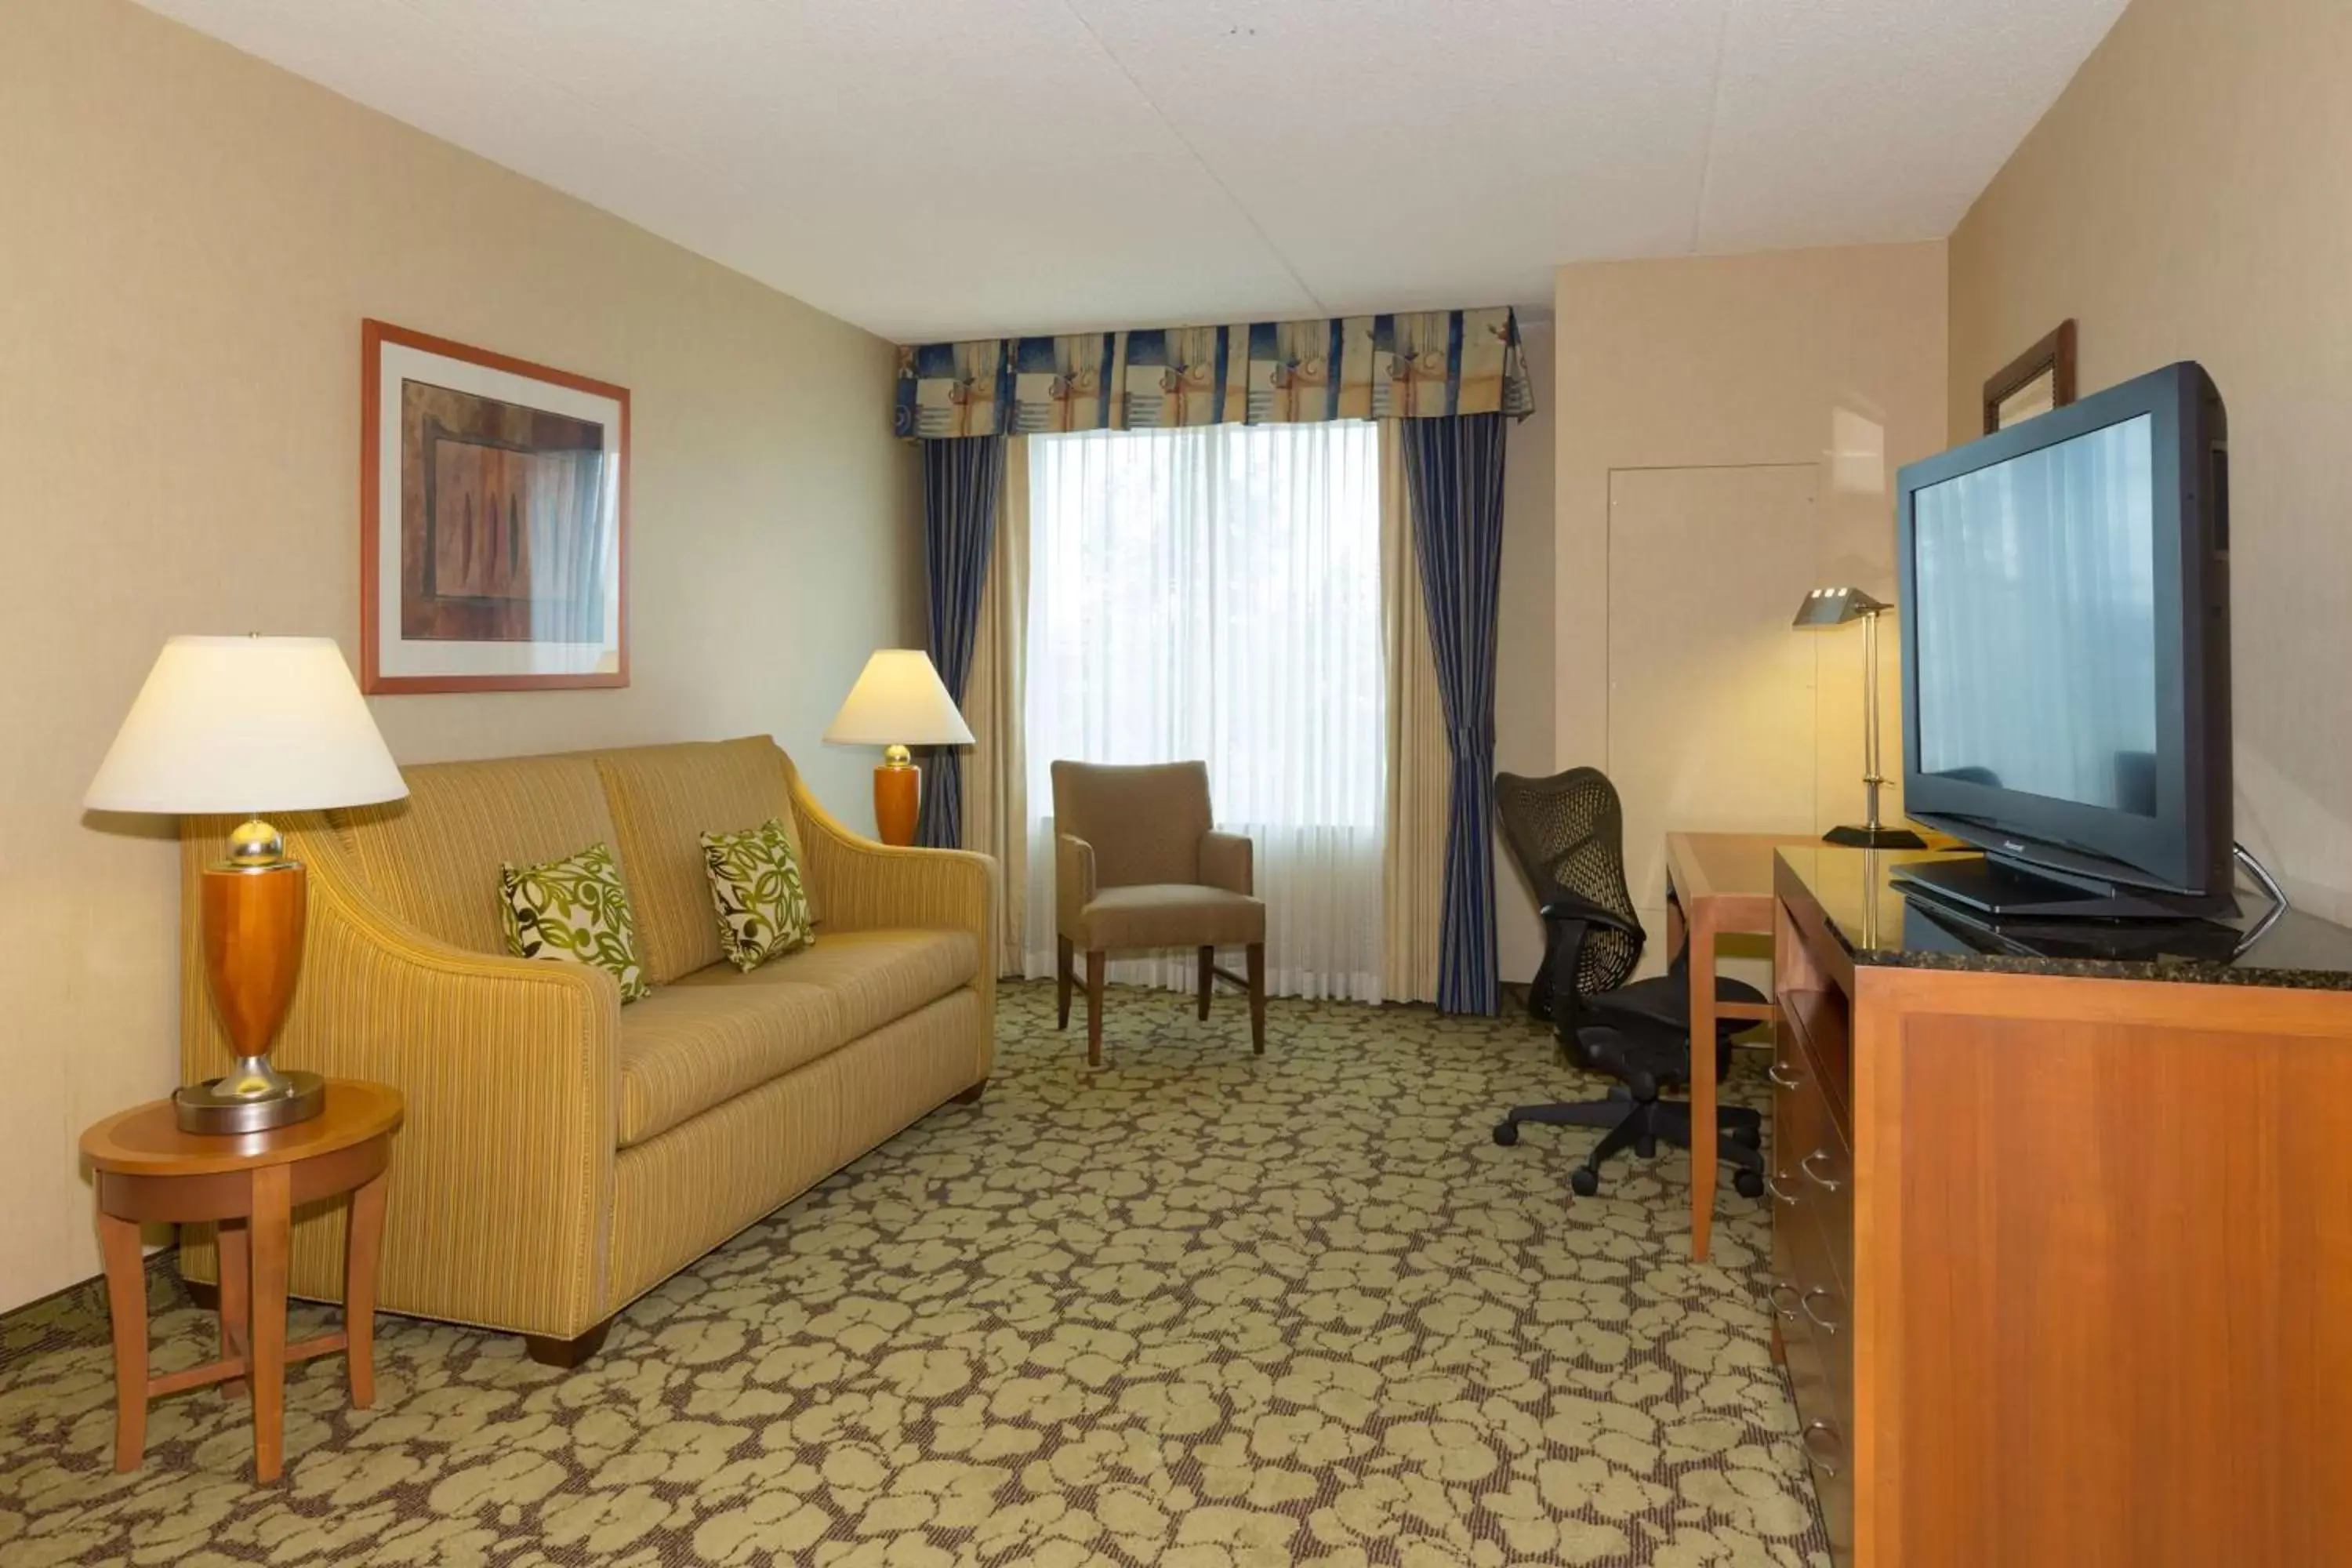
{"x":1193,"y":1310}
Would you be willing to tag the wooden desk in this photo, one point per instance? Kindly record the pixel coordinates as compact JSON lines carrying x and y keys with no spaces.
{"x":148,"y":1170}
{"x":1716,"y":882}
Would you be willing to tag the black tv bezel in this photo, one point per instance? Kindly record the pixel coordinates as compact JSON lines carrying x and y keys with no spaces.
{"x":2185,"y":848}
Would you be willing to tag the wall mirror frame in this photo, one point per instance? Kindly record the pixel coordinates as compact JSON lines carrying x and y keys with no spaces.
{"x":2035,"y":382}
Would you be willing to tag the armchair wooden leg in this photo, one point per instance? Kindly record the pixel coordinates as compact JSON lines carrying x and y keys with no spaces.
{"x":1208,"y":976}
{"x":1062,"y":982}
{"x":1094,"y":1007}
{"x":1257,"y":997}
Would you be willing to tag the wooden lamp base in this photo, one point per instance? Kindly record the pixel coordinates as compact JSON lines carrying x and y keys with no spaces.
{"x":253,"y":905}
{"x":898,"y":796}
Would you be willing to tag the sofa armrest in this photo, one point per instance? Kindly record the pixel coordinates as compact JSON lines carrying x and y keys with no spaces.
{"x":1227,"y":861}
{"x":859,"y":884}
{"x":499,"y":1209}
{"x":1073,"y":880}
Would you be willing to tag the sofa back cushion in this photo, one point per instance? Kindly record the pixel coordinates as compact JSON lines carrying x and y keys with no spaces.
{"x":663,"y":798}
{"x":433,"y":859}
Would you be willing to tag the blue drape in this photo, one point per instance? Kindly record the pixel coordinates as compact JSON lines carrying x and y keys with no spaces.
{"x":1453,"y":470}
{"x":962,"y":482}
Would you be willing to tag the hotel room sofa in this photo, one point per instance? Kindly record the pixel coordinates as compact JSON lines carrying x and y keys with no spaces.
{"x":563,"y":1154}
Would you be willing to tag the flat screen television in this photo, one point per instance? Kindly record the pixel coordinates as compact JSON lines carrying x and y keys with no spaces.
{"x":2064,"y":611}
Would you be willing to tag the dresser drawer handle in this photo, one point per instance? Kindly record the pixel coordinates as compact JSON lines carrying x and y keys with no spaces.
{"x":1780,"y":1080}
{"x":1826,"y":1430}
{"x":1805,"y":1304}
{"x":1827,"y":1184}
{"x":1772,"y":1189}
{"x":1773,"y":1295}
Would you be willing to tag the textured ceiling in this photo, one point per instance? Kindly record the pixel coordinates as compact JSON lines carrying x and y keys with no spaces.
{"x":951,"y":168}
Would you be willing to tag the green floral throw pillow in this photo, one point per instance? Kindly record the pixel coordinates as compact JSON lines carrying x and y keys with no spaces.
{"x":756,"y":883}
{"x":574,"y":910}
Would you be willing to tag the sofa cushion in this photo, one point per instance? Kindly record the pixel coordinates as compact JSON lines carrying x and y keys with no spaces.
{"x":719,"y":1031}
{"x":433,"y":859}
{"x":757,"y":893}
{"x":574,"y":910}
{"x":664,"y":799}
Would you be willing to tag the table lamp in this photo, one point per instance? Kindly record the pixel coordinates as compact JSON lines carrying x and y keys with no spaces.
{"x":898,"y":701}
{"x":240,"y":725}
{"x":1827,"y":608}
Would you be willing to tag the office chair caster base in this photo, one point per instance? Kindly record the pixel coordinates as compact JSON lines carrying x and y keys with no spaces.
{"x":1506,"y":1133}
{"x":1586,"y":1182}
{"x":1746,"y":1136}
{"x":1747,"y":1184}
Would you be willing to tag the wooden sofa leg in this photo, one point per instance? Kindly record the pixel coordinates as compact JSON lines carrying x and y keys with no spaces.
{"x":1094,"y":1007}
{"x":566,"y":1354}
{"x":1062,"y":982}
{"x":205,"y":1296}
{"x":1208,"y":976}
{"x":971,"y":1095}
{"x":1257,"y":997}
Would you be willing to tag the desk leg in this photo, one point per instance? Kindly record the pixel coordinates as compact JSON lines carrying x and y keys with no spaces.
{"x":236,"y":1279}
{"x":126,"y":1300}
{"x":268,"y":1241}
{"x":1702,"y":1082}
{"x":363,"y":1241}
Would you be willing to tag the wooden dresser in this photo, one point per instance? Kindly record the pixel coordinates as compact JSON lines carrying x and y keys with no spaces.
{"x":2062,"y":1245}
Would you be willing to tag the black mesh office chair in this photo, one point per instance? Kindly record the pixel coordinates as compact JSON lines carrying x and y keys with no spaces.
{"x":1567,"y":832}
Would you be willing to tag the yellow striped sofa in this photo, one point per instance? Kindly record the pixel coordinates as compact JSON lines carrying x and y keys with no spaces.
{"x":564,"y":1154}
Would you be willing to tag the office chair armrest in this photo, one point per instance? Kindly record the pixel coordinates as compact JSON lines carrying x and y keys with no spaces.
{"x":1584,"y":911}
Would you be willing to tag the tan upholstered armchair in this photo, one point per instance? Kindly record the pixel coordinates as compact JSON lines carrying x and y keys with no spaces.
{"x":1137,"y":865}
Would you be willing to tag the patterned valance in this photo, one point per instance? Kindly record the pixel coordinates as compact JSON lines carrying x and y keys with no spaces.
{"x":1407,"y":365}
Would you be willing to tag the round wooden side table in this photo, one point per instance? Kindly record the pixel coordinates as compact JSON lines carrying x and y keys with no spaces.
{"x":150,"y":1170}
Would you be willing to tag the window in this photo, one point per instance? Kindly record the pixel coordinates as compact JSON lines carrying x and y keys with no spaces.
{"x":1215,"y":594}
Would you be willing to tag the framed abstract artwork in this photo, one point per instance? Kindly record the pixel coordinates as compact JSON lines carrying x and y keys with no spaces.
{"x":494,"y":521}
{"x":2035,"y":382}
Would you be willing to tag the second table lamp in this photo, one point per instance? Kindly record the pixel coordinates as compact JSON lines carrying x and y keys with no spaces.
{"x":898,"y":701}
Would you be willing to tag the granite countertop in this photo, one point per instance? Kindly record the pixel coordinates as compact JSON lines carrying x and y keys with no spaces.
{"x":1879,"y":925}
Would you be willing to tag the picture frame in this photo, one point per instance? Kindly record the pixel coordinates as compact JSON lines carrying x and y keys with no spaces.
{"x":2035,"y":382}
{"x":494,"y":521}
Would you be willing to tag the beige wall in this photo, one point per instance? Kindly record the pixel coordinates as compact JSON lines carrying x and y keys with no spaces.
{"x":1523,"y":670}
{"x":2186,"y":198}
{"x":1728,"y":433}
{"x":190,"y":240}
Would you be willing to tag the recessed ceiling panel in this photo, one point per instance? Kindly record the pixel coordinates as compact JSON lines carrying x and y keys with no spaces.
{"x":1858,"y":121}
{"x":951,"y":168}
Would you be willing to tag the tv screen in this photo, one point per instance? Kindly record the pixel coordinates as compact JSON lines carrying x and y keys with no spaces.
{"x":2035,"y":594}
{"x":2063,"y":599}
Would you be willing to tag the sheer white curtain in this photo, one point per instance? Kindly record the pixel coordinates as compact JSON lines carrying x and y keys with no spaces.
{"x":1215,"y":594}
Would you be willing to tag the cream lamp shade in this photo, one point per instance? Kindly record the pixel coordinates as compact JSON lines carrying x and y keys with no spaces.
{"x":247,"y":725}
{"x":899,"y":701}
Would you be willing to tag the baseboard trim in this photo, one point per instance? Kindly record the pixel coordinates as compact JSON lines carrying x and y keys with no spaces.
{"x":75,"y":1314}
